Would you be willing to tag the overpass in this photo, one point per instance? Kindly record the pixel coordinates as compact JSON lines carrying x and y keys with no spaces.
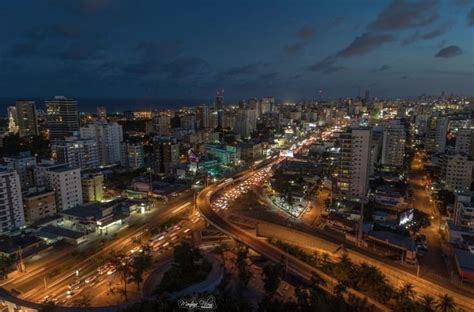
{"x":295,"y":266}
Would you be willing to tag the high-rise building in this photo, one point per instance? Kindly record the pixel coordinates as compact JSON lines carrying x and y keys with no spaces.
{"x":266,"y":105}
{"x":161,"y":124}
{"x":165,"y":155}
{"x":66,"y":184}
{"x":133,"y":155}
{"x":188,"y":122}
{"x":245,"y":122}
{"x":437,"y":130}
{"x":202,"y":117}
{"x":26,"y":117}
{"x":109,"y":136}
{"x":465,"y":142}
{"x":11,"y":205}
{"x":80,"y":153}
{"x":219,"y":100}
{"x":393,"y":145}
{"x":12,"y":120}
{"x":39,"y":205}
{"x":92,"y":187}
{"x":354,"y":164}
{"x":463,"y":212}
{"x":456,"y":172}
{"x":24,"y":165}
{"x":62,"y":117}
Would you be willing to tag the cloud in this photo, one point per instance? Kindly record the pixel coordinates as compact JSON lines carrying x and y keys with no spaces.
{"x":381,"y":69}
{"x":402,"y":14}
{"x":242,"y":70}
{"x":269,"y":76}
{"x":470,"y":17}
{"x":424,"y":36}
{"x":82,"y":50}
{"x":364,"y":44}
{"x":326,"y":66}
{"x":184,"y":67}
{"x":307,"y":32}
{"x":66,"y":30}
{"x":92,"y":7}
{"x":153,"y":55}
{"x":294,"y":48}
{"x":449,"y":52}
{"x":404,"y":77}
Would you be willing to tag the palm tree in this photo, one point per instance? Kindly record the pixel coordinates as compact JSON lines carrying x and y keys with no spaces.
{"x":446,"y":304}
{"x":427,"y":302}
{"x":407,"y":292}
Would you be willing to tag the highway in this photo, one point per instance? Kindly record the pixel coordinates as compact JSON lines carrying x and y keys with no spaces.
{"x":263,"y":247}
{"x":36,"y":286}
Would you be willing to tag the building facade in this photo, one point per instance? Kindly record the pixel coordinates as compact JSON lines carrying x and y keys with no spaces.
{"x":38,"y":206}
{"x":62,"y":117}
{"x":11,"y":204}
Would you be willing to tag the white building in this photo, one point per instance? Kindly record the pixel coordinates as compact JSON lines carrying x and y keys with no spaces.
{"x":80,"y":153}
{"x":108,"y":136}
{"x":465,"y":141}
{"x":456,"y":172}
{"x":66,"y":183}
{"x":354,"y":166}
{"x":11,"y":205}
{"x":393,"y":146}
{"x":464,"y":210}
{"x":436,"y":134}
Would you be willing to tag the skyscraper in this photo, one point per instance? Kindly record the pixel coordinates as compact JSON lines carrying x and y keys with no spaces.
{"x":393,"y":146}
{"x":465,"y":142}
{"x":101,"y":112}
{"x":245,"y":122}
{"x":165,"y":155}
{"x":26,"y":117}
{"x":354,"y":164}
{"x":202,"y":116}
{"x":80,"y":153}
{"x":62,"y":117}
{"x":109,"y":136}
{"x":11,"y":205}
{"x":437,"y":130}
{"x":219,"y":100}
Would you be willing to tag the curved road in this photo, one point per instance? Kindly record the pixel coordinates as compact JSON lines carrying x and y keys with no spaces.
{"x":295,"y":265}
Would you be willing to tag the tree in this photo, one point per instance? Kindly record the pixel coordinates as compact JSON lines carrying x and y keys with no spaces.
{"x":427,"y":303}
{"x":139,"y":266}
{"x":272,"y":274}
{"x":407,"y":292}
{"x":123,"y":269}
{"x":446,"y":304}
{"x":243,"y":273}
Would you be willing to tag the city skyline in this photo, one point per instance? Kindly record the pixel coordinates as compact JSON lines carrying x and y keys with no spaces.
{"x":246,"y":48}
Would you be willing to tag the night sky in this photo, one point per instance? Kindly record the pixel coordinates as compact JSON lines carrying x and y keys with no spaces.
{"x":189,"y":49}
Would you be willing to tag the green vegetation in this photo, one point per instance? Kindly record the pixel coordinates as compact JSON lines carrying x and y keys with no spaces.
{"x":189,"y":268}
{"x":371,"y":281}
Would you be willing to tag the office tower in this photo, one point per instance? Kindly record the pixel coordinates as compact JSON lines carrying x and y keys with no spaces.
{"x":108,"y":137}
{"x":202,"y":117}
{"x":12,"y":120}
{"x":38,"y":206}
{"x":133,"y":155}
{"x":165,"y":155}
{"x":92,"y":187}
{"x":66,"y":184}
{"x":213,"y":119}
{"x":465,"y":142}
{"x":228,"y":121}
{"x":393,"y":146}
{"x":437,"y":130}
{"x":11,"y":205}
{"x":354,"y":164}
{"x":62,"y":117}
{"x":463,"y":213}
{"x":245,"y":122}
{"x":26,"y":117}
{"x":456,"y":172}
{"x":80,"y":153}
{"x":219,"y":100}
{"x":24,"y":165}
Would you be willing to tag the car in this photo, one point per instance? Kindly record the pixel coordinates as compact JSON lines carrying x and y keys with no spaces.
{"x":90,"y":279}
{"x":74,"y":284}
{"x":111,"y":271}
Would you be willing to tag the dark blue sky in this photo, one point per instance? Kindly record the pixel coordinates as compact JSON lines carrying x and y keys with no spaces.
{"x":190,"y":49}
